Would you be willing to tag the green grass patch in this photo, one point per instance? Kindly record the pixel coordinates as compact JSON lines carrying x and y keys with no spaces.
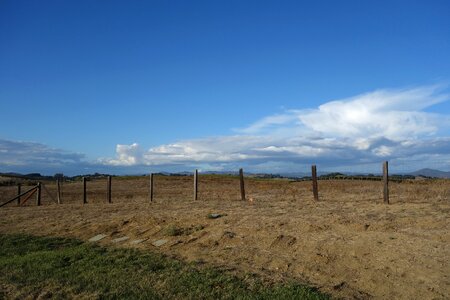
{"x":61,"y":268}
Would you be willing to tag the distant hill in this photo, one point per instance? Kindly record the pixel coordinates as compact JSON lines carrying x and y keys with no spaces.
{"x":431,"y":173}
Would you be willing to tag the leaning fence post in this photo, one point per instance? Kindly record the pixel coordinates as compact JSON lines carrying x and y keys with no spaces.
{"x":195,"y":184}
{"x":84,"y":191}
{"x":314,"y":182}
{"x":241,"y":180}
{"x":19,"y":187}
{"x":58,"y":191}
{"x":108,"y":190}
{"x":151,"y":187}
{"x":385,"y":182}
{"x":38,"y":194}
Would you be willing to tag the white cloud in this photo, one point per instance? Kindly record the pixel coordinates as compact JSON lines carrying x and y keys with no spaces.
{"x":384,"y":124}
{"x":127,"y":155}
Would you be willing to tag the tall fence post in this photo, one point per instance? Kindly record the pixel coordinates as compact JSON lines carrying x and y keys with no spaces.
{"x":58,"y":190}
{"x":108,"y":190}
{"x":241,"y":180}
{"x":38,"y":194}
{"x":385,"y":182}
{"x":84,"y":191}
{"x":151,"y":187}
{"x":19,"y":191}
{"x":196,"y":184}
{"x":314,"y":182}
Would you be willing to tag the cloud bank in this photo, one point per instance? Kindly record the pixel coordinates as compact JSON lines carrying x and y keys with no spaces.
{"x":363,"y":130}
{"x":27,"y":157}
{"x":352,"y":134}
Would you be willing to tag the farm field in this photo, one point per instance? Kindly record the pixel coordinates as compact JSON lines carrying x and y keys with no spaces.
{"x":349,"y":244}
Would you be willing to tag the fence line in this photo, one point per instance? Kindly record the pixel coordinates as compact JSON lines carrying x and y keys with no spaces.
{"x":314,"y":182}
{"x":38,"y":194}
{"x":33,"y":189}
{"x":84,"y":191}
{"x":151,"y":187}
{"x":315,"y":188}
{"x":19,"y":187}
{"x":108,"y":189}
{"x":28,"y":197}
{"x":385,"y":182}
{"x":58,"y":190}
{"x":241,"y":183}
{"x":196,"y":184}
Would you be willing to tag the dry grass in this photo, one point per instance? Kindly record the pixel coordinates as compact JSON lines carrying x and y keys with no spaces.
{"x":348,"y":244}
{"x":226,"y":188}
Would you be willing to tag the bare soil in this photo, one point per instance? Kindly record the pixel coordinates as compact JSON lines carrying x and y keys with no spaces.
{"x":348,"y":244}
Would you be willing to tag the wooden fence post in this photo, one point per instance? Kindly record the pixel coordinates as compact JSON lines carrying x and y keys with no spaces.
{"x":195,"y":184}
{"x":38,"y":194}
{"x":385,"y":182}
{"x":58,"y":191}
{"x":108,"y":190}
{"x":84,"y":191}
{"x":241,"y":180}
{"x":314,"y":182}
{"x":19,"y":188}
{"x":151,"y":187}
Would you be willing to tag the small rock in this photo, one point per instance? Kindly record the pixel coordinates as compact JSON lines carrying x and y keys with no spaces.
{"x":214,"y":216}
{"x":97,"y":238}
{"x":121,"y":239}
{"x":135,"y":242}
{"x":159,"y":243}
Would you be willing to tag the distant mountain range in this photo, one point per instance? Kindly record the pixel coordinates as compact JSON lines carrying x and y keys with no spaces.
{"x":422,"y":172}
{"x":431,"y":173}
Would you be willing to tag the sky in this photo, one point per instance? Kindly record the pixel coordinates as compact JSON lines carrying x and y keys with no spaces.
{"x":129,"y":87}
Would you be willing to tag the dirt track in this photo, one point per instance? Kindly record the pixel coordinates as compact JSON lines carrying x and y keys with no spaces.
{"x":349,"y":244}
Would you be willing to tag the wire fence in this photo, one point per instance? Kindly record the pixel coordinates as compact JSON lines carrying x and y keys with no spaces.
{"x":333,"y":187}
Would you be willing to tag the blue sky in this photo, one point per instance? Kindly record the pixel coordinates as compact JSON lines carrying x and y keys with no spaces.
{"x":272,"y":86}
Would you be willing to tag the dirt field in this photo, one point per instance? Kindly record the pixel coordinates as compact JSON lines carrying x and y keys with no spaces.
{"x":348,"y":244}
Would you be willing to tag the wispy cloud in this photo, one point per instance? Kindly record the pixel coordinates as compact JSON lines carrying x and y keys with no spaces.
{"x":271,"y":123}
{"x":384,"y":124}
{"x":392,"y":114}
